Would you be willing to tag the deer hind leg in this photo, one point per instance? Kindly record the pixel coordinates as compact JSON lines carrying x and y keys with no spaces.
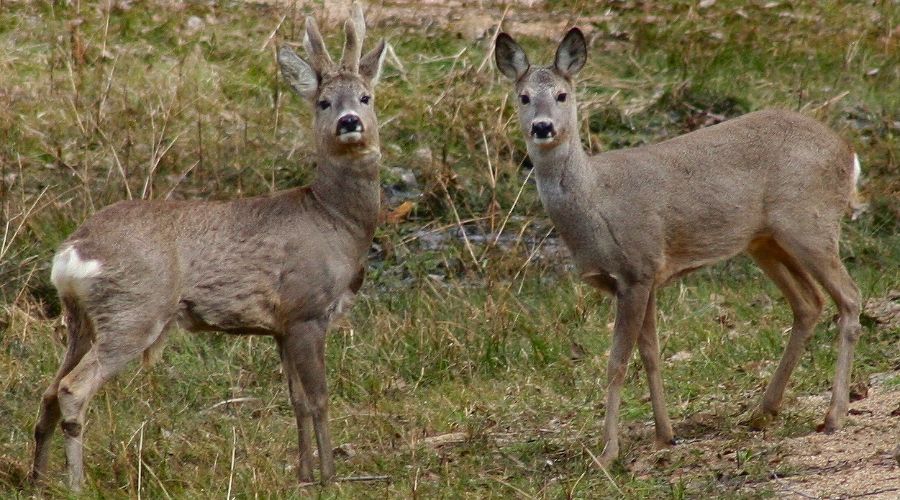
{"x":631,"y":303}
{"x":819,"y":255}
{"x":115,"y":345}
{"x":806,"y":303}
{"x":304,"y":345}
{"x":648,"y":346}
{"x":79,"y":340}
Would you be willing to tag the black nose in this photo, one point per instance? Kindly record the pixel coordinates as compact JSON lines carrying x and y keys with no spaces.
{"x":349,"y":123}
{"x":542,"y":130}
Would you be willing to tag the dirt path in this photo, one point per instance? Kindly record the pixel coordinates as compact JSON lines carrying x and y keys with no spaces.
{"x":857,"y":461}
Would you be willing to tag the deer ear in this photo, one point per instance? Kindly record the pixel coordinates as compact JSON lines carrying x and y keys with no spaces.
{"x":571,"y":53}
{"x":371,"y":63}
{"x":510,"y":58}
{"x":298,"y":73}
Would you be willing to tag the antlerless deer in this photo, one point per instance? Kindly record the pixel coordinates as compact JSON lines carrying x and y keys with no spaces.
{"x":773,"y":184}
{"x":283,"y":265}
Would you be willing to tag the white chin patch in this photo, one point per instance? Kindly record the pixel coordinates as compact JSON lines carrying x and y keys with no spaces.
{"x":543,"y":140}
{"x":350,"y":137}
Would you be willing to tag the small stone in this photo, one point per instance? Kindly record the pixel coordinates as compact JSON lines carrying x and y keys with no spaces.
{"x":193,"y":24}
{"x":681,"y":356}
{"x":345,"y":450}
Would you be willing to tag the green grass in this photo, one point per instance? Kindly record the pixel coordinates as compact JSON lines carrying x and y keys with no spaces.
{"x":509,"y":351}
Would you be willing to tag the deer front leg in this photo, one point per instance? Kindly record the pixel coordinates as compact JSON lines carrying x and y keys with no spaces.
{"x":648,"y":346}
{"x":305,"y":346}
{"x":631,"y":303}
{"x":302,"y":414}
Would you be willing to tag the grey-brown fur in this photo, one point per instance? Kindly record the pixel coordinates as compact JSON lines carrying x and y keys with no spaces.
{"x":283,"y":265}
{"x":774,"y":184}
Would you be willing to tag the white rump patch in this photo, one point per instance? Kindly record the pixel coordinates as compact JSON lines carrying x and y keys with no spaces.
{"x":854,"y":177}
{"x":70,"y":274}
{"x":857,"y":205}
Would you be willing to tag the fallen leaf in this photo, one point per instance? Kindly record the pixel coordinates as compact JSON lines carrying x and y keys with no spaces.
{"x":400,"y":213}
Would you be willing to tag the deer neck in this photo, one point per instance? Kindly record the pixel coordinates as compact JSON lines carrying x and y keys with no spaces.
{"x":559,"y":170}
{"x":349,"y":191}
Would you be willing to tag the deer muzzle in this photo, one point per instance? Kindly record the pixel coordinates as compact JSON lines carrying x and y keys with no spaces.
{"x":349,"y":128}
{"x":542,"y":131}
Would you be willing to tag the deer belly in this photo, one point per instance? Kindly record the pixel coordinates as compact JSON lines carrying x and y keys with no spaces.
{"x":240,"y":312}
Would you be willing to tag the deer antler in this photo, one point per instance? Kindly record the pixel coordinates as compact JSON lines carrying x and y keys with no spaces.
{"x":355,"y":29}
{"x":315,"y":47}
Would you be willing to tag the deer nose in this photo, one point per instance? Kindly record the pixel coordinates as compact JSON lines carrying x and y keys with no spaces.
{"x":542,"y":130}
{"x":349,"y":123}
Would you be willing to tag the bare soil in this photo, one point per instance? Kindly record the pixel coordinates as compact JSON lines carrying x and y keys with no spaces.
{"x":859,"y":460}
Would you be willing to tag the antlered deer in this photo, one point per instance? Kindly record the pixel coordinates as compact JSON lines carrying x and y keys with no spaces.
{"x":283,"y":265}
{"x":774,"y":184}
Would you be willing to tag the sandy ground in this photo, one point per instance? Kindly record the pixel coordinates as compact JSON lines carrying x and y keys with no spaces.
{"x":857,"y":461}
{"x":862,"y":460}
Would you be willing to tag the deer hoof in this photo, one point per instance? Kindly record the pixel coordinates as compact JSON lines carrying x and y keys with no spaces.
{"x":663,"y":443}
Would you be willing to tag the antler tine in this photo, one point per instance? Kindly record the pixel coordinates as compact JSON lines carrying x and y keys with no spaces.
{"x":355,"y":29}
{"x":315,"y":46}
{"x":359,"y":20}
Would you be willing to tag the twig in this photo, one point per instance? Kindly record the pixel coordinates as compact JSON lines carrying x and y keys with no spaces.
{"x":827,"y":103}
{"x":418,"y":234}
{"x":514,"y":488}
{"x":508,"y":214}
{"x":530,"y":257}
{"x":106,"y":27}
{"x":490,"y":53}
{"x":230,"y":401}
{"x":423,"y":60}
{"x":605,"y":472}
{"x":272,"y":34}
{"x":140,"y":459}
{"x":870,"y":493}
{"x":395,"y":61}
{"x":572,"y":489}
{"x":459,"y":224}
{"x":6,"y":244}
{"x":105,"y":95}
{"x":181,"y":178}
{"x":799,"y":493}
{"x":158,"y":481}
{"x":157,"y":157}
{"x":231,"y":472}
{"x":360,"y":479}
{"x":73,"y":101}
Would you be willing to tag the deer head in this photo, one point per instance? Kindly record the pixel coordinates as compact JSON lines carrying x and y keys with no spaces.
{"x":546,"y":94}
{"x":342,"y":93}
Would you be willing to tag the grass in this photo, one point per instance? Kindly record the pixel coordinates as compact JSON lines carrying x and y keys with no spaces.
{"x":99,"y":104}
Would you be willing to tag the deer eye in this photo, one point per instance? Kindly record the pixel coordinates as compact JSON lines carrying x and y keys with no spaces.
{"x":324,"y":104}
{"x":562,"y":97}
{"x":365,"y":99}
{"x":524,"y":99}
